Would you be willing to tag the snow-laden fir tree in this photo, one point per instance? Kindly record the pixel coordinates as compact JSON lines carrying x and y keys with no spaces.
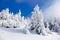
{"x":54,"y":25}
{"x":37,"y":21}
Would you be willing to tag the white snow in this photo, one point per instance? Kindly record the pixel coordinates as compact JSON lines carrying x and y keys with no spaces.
{"x":13,"y":34}
{"x":17,"y":27}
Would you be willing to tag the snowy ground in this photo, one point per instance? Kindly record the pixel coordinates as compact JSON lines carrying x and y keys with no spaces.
{"x":16,"y":34}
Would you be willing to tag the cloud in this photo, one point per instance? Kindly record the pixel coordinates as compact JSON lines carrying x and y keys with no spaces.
{"x":53,"y":10}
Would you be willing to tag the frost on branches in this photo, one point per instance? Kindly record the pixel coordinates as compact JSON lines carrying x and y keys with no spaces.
{"x":36,"y":24}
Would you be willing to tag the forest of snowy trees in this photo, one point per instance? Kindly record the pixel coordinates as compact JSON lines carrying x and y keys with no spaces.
{"x":36,"y":23}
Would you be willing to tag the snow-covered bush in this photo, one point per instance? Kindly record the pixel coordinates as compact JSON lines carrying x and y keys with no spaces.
{"x":26,"y":30}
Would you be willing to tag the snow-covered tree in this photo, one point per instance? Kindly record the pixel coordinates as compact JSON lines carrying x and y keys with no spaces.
{"x":54,"y":25}
{"x":9,"y":20}
{"x":4,"y":14}
{"x":37,"y":21}
{"x":46,"y":23}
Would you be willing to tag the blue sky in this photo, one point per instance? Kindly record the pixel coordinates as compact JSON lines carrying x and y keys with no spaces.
{"x":26,"y":6}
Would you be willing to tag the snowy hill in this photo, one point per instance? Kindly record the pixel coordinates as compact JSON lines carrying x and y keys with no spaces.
{"x":5,"y":34}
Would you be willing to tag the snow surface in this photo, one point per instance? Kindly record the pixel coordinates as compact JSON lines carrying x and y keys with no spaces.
{"x":17,"y":34}
{"x":17,"y":27}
